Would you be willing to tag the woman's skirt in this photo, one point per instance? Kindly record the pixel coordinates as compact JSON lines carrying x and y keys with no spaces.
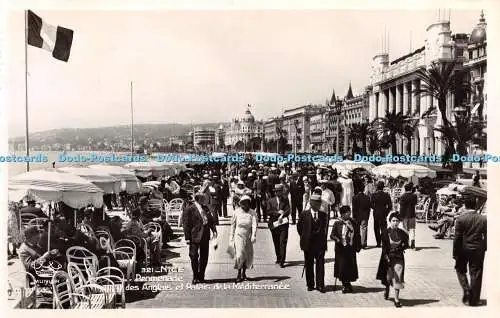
{"x":243,"y":248}
{"x":395,"y":273}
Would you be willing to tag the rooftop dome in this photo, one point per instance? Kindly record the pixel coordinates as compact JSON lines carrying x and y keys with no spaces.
{"x":478,"y":35}
{"x":248,"y":116}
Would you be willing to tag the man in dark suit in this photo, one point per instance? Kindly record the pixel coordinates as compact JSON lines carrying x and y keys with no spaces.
{"x":296,"y":195}
{"x":407,"y":204}
{"x":259,"y":188}
{"x":272,"y":180}
{"x":469,"y":247}
{"x":381,"y":205}
{"x":312,"y":228}
{"x":337,"y":189}
{"x":197,"y":222}
{"x":361,"y":206}
{"x":216,"y":193}
{"x":224,"y":195}
{"x":278,"y":210}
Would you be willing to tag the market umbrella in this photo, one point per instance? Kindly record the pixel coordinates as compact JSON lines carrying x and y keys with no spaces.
{"x":146,"y":168}
{"x":404,"y":170}
{"x":102,"y":179}
{"x":351,"y":165}
{"x":56,"y":186}
{"x":129,"y":181}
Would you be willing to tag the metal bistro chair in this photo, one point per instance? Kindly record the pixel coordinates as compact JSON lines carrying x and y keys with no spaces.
{"x":25,"y":219}
{"x":125,"y":252}
{"x":38,"y":222}
{"x":174,"y":212}
{"x":142,"y":243}
{"x":84,"y":259}
{"x":66,"y":297}
{"x":79,"y":284}
{"x":422,"y":209}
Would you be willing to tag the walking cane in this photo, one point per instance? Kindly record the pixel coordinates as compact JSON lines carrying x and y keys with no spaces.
{"x":303,"y":270}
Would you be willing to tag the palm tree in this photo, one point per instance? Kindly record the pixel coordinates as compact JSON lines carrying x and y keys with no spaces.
{"x":439,"y":80}
{"x":462,"y":133}
{"x":390,"y":126}
{"x":408,"y":131}
{"x":360,"y":132}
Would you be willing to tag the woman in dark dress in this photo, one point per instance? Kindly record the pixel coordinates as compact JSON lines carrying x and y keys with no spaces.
{"x":347,"y":239}
{"x":391,"y":267}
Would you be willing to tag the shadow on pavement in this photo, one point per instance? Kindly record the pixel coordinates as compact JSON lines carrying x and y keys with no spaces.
{"x":168,"y":254}
{"x":250,"y":279}
{"x":416,"y":302}
{"x":419,"y":248}
{"x":366,"y":290}
{"x":275,"y":278}
{"x":138,"y":295}
{"x":301,"y":263}
{"x":333,"y":288}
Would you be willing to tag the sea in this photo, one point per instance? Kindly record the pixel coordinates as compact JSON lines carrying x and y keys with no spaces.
{"x":61,"y":160}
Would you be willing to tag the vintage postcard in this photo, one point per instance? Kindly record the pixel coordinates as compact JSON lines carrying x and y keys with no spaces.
{"x":251,"y":158}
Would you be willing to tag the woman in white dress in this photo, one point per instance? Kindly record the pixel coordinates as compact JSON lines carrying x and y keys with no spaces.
{"x":242,"y":236}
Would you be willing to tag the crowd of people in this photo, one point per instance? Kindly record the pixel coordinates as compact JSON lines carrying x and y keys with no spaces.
{"x":305,"y":197}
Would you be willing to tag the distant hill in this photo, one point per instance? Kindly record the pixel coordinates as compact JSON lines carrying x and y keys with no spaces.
{"x":141,"y":131}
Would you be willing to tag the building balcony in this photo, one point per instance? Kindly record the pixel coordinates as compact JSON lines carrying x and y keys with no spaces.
{"x":473,"y":61}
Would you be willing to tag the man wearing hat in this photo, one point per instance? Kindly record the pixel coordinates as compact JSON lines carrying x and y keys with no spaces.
{"x":296,"y":196}
{"x":381,"y":205}
{"x":278,"y":210}
{"x":31,"y":252}
{"x":259,"y":187}
{"x":216,"y":193}
{"x":337,"y":190}
{"x":272,"y":180}
{"x":312,"y":228}
{"x":361,"y":206}
{"x":197,"y":221}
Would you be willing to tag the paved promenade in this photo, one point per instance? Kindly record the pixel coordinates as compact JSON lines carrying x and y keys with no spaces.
{"x":430,"y":277}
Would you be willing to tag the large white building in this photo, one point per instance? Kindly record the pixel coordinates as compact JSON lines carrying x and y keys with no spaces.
{"x":394,"y":83}
{"x":244,"y":133}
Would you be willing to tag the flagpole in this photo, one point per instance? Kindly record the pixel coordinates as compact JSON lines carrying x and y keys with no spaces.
{"x":27,"y":141}
{"x":132,"y":113}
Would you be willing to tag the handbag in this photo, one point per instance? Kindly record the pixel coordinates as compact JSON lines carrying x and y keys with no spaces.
{"x":231,"y":250}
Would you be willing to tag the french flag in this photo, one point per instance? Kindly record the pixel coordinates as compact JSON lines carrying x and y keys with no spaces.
{"x":55,"y":39}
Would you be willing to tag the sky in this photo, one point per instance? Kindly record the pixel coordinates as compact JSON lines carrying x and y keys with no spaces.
{"x":202,"y":66}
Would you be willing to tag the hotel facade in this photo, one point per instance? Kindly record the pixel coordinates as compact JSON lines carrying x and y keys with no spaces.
{"x":393,"y":84}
